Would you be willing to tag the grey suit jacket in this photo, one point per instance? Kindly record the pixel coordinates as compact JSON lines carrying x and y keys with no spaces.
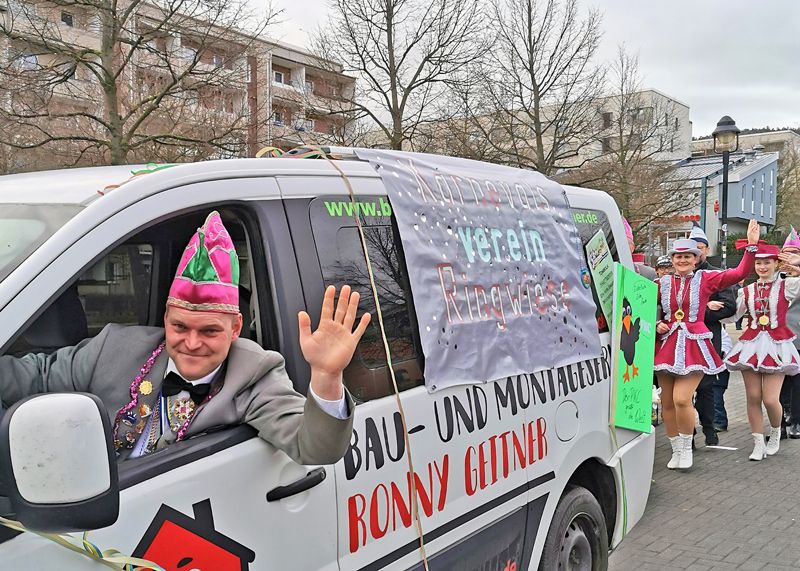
{"x":255,"y":389}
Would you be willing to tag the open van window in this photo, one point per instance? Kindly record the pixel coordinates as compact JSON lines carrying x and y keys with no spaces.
{"x":25,"y":227}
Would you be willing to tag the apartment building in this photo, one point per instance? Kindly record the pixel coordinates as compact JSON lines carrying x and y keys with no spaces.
{"x":310,"y":100}
{"x":651,"y":120}
{"x":769,"y":141}
{"x":143,"y":82}
{"x":650,"y":123}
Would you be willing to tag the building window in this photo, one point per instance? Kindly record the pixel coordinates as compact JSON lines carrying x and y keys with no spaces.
{"x":309,"y":86}
{"x":744,"y":191}
{"x":277,"y":117}
{"x":218,"y":60}
{"x":67,"y":19}
{"x":676,"y":123}
{"x":753,"y":197}
{"x":28,"y":62}
{"x":771,"y":179}
{"x":607,"y":117}
{"x":277,"y":77}
{"x":606,"y":144}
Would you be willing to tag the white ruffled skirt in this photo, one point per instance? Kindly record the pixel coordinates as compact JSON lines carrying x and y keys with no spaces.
{"x":764,"y":355}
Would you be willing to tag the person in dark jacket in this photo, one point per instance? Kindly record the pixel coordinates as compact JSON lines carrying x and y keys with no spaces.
{"x":722,"y":305}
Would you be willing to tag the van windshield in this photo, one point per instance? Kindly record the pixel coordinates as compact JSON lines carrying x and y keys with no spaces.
{"x":25,"y":227}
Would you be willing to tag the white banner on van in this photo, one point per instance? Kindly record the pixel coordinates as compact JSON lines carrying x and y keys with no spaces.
{"x":499,"y":281}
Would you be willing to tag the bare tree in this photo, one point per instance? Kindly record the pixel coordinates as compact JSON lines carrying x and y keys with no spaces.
{"x":403,"y":53}
{"x":112,"y":81}
{"x":637,"y":141}
{"x":532,"y":102}
{"x":788,"y":195}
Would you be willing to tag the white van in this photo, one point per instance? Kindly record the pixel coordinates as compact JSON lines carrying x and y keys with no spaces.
{"x":550,"y":487}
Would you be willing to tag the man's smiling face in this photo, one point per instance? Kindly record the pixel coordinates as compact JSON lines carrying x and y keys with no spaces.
{"x":199,"y":341}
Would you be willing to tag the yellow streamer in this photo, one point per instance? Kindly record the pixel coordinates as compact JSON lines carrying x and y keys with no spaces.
{"x":110,"y":557}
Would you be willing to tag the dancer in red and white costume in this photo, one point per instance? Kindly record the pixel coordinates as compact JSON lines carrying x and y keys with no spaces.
{"x":684,"y":352}
{"x":765,"y":351}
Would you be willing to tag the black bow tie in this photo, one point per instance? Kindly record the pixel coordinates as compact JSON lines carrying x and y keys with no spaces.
{"x":174,"y":383}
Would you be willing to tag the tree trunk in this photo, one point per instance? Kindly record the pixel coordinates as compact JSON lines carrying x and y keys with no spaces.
{"x":116,"y":136}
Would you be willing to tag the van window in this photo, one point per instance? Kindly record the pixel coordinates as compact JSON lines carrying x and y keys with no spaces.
{"x":25,"y":227}
{"x":342,"y":262}
{"x":128,"y":286}
{"x":117,"y":288}
{"x":588,"y":222}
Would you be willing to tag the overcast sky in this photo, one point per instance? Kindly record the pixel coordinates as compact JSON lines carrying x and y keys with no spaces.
{"x":720,"y":57}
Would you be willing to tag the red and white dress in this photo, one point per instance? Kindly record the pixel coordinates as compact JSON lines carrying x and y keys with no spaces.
{"x":687,"y":346}
{"x":767,"y":345}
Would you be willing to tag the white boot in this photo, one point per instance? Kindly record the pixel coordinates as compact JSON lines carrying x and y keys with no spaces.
{"x":759,"y":450}
{"x":677,"y":444}
{"x":774,"y":441}
{"x":685,"y":458}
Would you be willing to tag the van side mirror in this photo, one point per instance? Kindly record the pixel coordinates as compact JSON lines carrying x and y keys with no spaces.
{"x":57,"y":463}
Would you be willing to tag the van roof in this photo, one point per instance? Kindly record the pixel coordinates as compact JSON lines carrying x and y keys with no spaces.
{"x":67,"y":186}
{"x":83,"y":185}
{"x":80,"y":186}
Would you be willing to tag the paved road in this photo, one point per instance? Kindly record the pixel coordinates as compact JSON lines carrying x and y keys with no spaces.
{"x":726,"y":512}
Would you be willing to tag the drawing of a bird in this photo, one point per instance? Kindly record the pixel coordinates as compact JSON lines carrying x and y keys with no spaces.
{"x":628,"y":338}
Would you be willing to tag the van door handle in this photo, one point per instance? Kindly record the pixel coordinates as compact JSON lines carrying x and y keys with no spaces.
{"x":313,"y":478}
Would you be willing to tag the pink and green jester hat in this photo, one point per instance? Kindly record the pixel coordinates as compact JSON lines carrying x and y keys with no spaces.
{"x":792,"y":240}
{"x":207,"y":278}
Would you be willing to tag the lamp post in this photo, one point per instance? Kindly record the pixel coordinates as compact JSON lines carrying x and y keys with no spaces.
{"x":726,"y":141}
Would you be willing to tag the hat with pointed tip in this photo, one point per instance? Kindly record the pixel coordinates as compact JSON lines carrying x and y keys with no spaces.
{"x":698,"y":235}
{"x":792,"y":240}
{"x":207,"y":278}
{"x":628,"y":229}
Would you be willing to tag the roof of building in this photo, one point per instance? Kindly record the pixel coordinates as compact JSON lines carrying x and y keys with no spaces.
{"x":741,"y":165}
{"x":785,"y":135}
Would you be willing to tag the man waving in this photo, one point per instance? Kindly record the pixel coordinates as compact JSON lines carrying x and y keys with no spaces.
{"x":195,"y":374}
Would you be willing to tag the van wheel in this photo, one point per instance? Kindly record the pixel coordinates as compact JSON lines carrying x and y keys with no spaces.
{"x":577,"y":539}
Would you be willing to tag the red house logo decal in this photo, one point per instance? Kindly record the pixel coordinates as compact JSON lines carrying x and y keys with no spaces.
{"x":178,"y":542}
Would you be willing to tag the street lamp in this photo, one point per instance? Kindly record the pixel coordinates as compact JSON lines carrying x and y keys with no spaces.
{"x":726,"y":141}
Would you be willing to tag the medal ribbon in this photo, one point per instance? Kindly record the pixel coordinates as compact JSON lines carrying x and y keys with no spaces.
{"x":134,"y":391}
{"x":680,"y":297}
{"x":762,"y":303}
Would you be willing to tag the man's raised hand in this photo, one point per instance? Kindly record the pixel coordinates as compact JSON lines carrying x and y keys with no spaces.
{"x":789,"y":258}
{"x":329,"y":349}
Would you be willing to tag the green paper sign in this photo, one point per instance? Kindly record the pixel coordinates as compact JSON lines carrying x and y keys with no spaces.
{"x":634,"y":331}
{"x":601,"y":266}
